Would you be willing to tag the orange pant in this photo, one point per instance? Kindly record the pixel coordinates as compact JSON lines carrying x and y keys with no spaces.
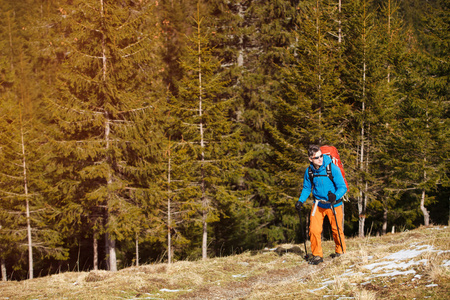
{"x":316,"y":226}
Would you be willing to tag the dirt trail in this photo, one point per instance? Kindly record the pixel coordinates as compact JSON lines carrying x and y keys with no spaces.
{"x":243,"y":289}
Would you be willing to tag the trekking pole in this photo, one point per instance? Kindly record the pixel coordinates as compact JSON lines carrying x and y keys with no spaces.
{"x":339,"y":233}
{"x":303,"y":232}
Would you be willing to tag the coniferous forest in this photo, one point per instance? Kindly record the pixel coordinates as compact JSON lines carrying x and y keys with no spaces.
{"x":140,"y":131}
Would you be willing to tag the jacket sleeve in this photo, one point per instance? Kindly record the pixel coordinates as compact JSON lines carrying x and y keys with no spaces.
{"x":341,"y":187}
{"x":307,"y":186}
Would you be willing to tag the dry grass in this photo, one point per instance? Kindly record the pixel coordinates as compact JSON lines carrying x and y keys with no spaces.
{"x":268,"y":275}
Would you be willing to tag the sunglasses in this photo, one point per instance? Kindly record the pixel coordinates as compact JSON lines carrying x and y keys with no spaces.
{"x":317,"y":157}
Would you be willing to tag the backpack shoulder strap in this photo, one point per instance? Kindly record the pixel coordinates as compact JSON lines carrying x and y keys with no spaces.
{"x":311,"y":176}
{"x":329,"y":174}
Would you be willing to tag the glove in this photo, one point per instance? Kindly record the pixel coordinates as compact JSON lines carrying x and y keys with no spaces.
{"x":298,"y":205}
{"x":331,"y":198}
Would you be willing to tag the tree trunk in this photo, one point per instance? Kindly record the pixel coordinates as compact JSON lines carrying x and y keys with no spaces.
{"x":3,"y":267}
{"x":204,"y":199}
{"x":169,"y":212}
{"x":385,"y":216}
{"x":107,"y":251}
{"x":362,"y":216}
{"x":30,"y":243}
{"x":240,"y":58}
{"x":426,"y":213}
{"x":111,"y":243}
{"x":27,"y":204}
{"x":112,"y":260}
{"x":137,"y":251}
{"x":390,"y":38}
{"x":339,"y":22}
{"x":319,"y":62}
{"x":362,"y":198}
{"x":95,"y":249}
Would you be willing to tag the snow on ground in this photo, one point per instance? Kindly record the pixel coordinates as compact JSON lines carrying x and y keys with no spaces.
{"x":395,"y":264}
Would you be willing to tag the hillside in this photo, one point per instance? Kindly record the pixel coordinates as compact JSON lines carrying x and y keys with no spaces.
{"x":407,"y":265}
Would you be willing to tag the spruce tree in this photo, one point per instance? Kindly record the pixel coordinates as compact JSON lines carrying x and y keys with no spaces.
{"x":252,"y":47}
{"x":205,"y":134}
{"x":24,"y":149}
{"x":309,"y":104}
{"x":360,"y":79}
{"x":108,"y":107}
{"x":424,"y":132}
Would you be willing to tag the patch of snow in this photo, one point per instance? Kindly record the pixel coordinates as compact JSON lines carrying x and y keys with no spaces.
{"x":417,"y":277}
{"x":395,"y":273}
{"x":349,"y":273}
{"x":328,"y":281}
{"x":431,"y":285}
{"x":377,"y":267}
{"x":405,"y":254}
{"x":372,"y":266}
{"x":239,"y":275}
{"x":173,"y":291}
{"x":318,"y":289}
{"x":400,"y":263}
{"x":271,"y":249}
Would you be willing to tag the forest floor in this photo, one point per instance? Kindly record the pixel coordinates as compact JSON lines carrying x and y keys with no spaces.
{"x":406,"y":265}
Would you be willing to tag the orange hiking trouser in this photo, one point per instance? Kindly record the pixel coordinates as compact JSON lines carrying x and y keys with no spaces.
{"x":316,"y":226}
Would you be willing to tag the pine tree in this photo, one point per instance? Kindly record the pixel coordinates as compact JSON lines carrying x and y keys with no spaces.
{"x":107,"y":107}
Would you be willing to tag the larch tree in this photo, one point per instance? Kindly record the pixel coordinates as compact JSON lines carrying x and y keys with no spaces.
{"x":108,"y":106}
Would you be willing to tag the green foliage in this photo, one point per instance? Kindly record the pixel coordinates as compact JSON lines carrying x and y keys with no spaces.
{"x":109,"y":100}
{"x":109,"y":114}
{"x":207,"y":142}
{"x":26,"y":225}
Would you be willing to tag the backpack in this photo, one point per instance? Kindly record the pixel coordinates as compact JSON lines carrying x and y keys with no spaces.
{"x":333,"y":153}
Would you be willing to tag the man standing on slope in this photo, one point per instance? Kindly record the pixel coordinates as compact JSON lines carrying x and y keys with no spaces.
{"x":326,"y":192}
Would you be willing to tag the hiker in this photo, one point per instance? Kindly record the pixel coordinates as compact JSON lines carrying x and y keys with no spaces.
{"x":328,"y":190}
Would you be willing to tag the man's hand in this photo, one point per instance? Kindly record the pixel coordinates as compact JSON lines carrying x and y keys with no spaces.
{"x":298,"y":205}
{"x":331,"y":198}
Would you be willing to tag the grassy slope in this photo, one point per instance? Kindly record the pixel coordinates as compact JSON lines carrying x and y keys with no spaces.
{"x":267,"y":275}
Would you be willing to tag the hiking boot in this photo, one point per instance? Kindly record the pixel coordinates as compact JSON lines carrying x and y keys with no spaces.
{"x":315,"y":260}
{"x":334,"y":255}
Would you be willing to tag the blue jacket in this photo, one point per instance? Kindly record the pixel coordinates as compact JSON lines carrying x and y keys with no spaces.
{"x":323,"y":184}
